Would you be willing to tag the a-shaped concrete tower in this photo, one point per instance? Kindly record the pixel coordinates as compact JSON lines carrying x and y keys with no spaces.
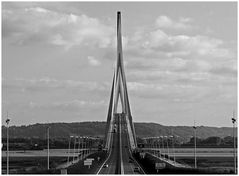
{"x":119,"y":92}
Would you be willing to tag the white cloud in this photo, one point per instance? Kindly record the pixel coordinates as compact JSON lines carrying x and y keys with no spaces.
{"x":211,"y":77}
{"x":39,"y":25}
{"x":36,"y":9}
{"x":159,"y":41}
{"x":32,"y":104}
{"x":137,"y":86}
{"x":79,"y":103}
{"x":168,"y":89}
{"x":45,"y":84}
{"x":169,"y":92}
{"x":93,"y":61}
{"x":185,"y":20}
{"x":74,"y":105}
{"x":153,"y":54}
{"x":166,"y":22}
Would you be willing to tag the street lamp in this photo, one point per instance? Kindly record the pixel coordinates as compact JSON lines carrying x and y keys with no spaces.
{"x":154,"y":146}
{"x":90,"y":145}
{"x":163,"y":152}
{"x":195,"y":146}
{"x":87,"y":146}
{"x":151,"y":145}
{"x":174,"y":159}
{"x":74,"y":149}
{"x":7,"y":122}
{"x":48,"y":148}
{"x":78,"y":152}
{"x":84,"y":147}
{"x":68,"y":159}
{"x":167,"y":145}
{"x":158,"y":147}
{"x":234,"y":142}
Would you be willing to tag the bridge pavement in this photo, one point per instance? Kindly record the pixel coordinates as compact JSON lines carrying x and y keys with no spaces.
{"x":113,"y":159}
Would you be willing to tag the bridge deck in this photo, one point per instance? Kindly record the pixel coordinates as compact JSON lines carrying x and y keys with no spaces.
{"x":113,"y":159}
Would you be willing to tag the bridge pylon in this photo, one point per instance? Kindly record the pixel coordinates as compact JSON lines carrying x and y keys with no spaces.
{"x":119,"y":92}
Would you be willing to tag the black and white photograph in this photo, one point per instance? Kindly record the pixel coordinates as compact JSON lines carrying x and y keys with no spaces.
{"x":119,"y":87}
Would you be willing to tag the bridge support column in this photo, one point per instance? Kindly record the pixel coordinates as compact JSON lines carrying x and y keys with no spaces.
{"x":119,"y":92}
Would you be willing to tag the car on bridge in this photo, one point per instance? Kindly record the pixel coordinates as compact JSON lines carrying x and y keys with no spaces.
{"x":136,"y":169}
{"x":105,"y":166}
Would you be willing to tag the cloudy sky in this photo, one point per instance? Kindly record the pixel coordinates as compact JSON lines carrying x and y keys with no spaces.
{"x":180,"y":61}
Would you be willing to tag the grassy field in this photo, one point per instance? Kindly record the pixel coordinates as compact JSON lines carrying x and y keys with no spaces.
{"x":209,"y":162}
{"x":205,"y":165}
{"x":21,"y":165}
{"x":38,"y":165}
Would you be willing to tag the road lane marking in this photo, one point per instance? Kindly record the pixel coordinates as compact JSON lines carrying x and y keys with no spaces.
{"x":106,"y":159}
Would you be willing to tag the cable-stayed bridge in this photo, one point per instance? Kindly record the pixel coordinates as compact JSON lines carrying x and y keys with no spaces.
{"x":120,"y":137}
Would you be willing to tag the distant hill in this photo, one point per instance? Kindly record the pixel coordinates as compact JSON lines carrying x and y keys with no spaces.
{"x":64,"y":130}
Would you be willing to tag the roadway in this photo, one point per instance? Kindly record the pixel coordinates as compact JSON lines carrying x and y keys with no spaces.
{"x":112,"y":160}
{"x":126,"y":164}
